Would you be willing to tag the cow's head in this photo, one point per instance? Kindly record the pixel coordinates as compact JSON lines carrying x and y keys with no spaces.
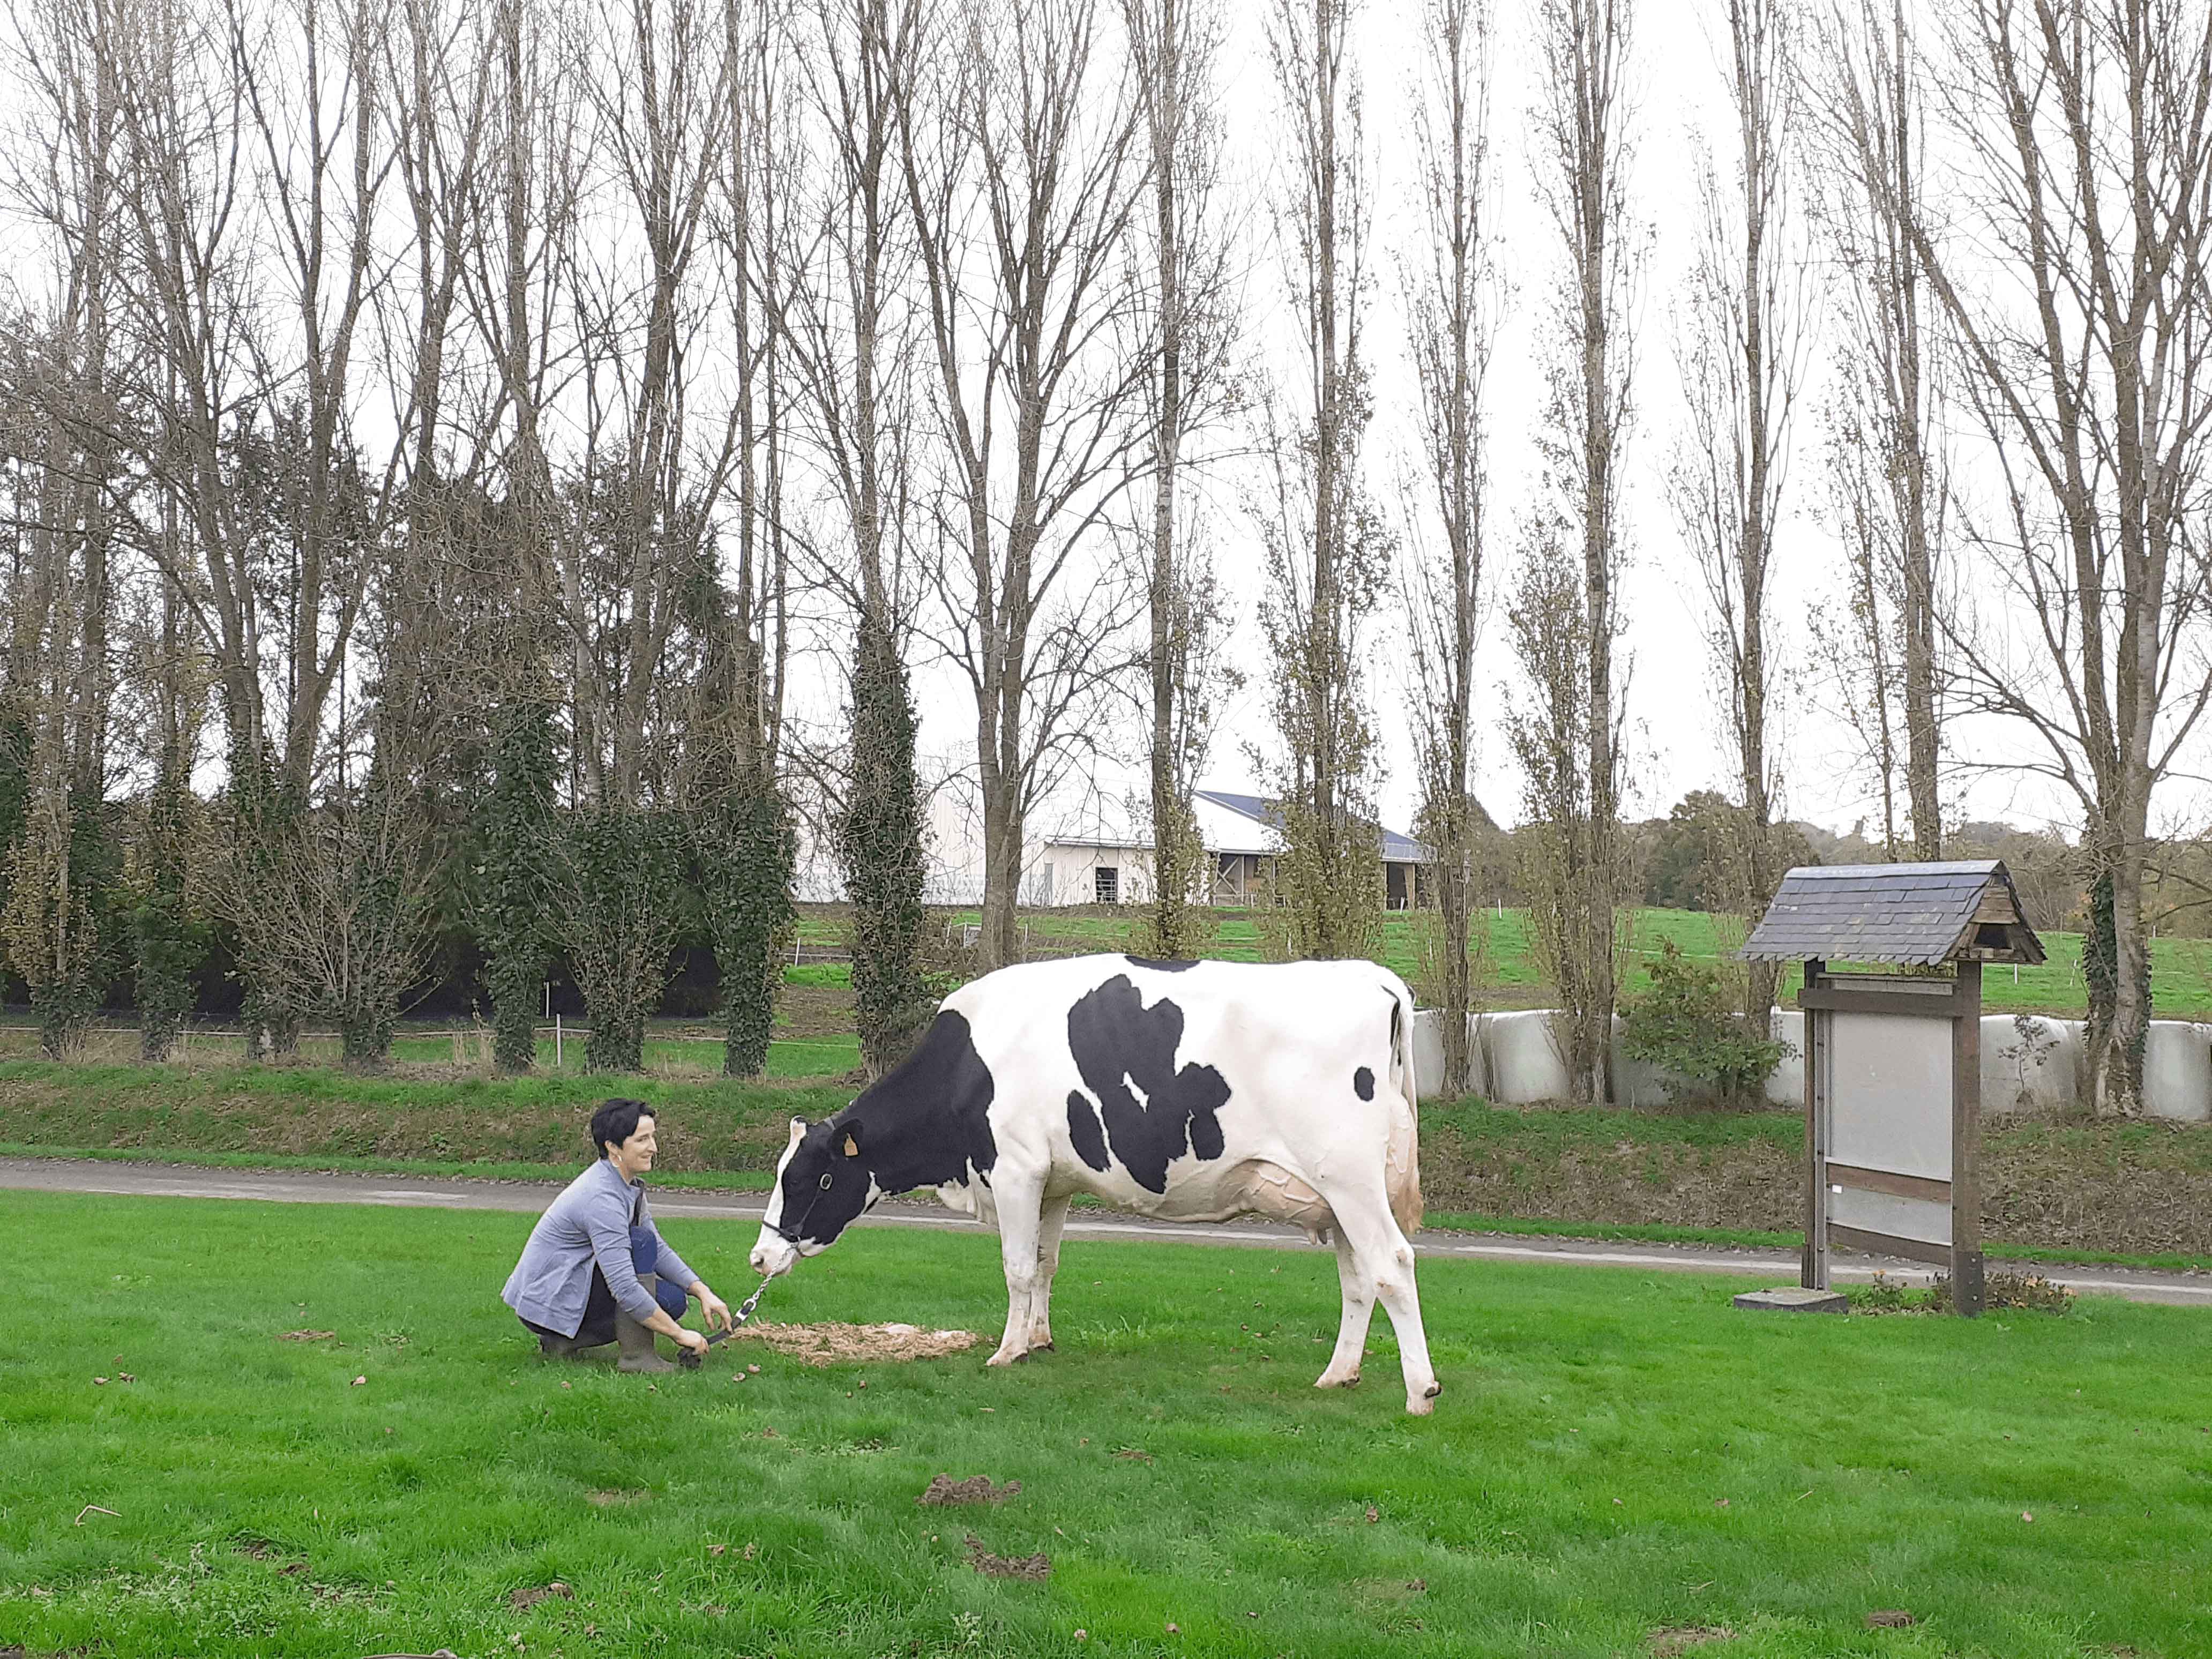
{"x":821,"y":1184}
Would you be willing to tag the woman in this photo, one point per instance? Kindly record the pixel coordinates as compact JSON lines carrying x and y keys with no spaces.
{"x":596,"y":1269}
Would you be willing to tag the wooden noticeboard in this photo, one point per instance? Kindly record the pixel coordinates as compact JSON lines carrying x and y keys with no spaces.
{"x":1893,"y":1115}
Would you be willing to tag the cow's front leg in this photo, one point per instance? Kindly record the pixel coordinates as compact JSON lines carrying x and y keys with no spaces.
{"x":1343,"y":1371}
{"x":1020,"y":1220}
{"x":1050,"y":1224}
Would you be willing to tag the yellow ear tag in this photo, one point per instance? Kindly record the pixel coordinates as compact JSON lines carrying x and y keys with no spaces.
{"x":851,"y":1147}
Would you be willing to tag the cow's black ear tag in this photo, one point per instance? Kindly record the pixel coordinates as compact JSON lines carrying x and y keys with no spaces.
{"x":852,"y":1146}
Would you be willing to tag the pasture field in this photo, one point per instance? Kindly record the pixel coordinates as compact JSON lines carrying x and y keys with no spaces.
{"x":1616,"y":1461}
{"x":2181,"y":969}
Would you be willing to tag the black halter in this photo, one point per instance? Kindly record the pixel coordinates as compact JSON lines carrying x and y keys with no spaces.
{"x":791,"y":1234}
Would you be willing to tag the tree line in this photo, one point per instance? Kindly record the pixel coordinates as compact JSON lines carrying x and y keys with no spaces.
{"x":436,"y":439}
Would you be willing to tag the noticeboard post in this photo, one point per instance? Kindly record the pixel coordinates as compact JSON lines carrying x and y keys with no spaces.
{"x":1893,"y":1060}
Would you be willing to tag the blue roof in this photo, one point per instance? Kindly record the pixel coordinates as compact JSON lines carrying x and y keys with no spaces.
{"x":1396,"y":848}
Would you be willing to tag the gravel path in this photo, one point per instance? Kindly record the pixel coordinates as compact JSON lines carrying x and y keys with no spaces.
{"x":670,"y":1203}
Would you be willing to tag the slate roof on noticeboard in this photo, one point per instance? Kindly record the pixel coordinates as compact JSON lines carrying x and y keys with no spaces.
{"x":1912,"y":914}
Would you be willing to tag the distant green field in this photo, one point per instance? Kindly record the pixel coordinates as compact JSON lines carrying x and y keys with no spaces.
{"x":2181,"y":969}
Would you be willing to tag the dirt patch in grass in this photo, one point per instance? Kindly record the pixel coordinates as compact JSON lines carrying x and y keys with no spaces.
{"x":813,"y":1010}
{"x":523,"y":1600}
{"x":835,"y":1343}
{"x":1035,"y":1568}
{"x":1681,"y":1638}
{"x":943,"y":1488}
{"x":610,"y":1499}
{"x":307,"y":1336}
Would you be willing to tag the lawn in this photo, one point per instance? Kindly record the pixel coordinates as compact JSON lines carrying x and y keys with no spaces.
{"x":1613,"y":1457}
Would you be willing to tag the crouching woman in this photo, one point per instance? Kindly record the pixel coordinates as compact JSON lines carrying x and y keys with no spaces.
{"x":596,"y":1269}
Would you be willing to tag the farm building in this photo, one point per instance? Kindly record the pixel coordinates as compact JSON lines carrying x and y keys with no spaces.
{"x":1241,"y":841}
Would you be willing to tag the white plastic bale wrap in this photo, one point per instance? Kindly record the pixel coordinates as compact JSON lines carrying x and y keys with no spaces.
{"x":1635,"y":1082}
{"x":1785,"y":1084}
{"x":2030,"y":1064}
{"x":1524,"y":1061}
{"x":2177,"y":1070}
{"x":1429,"y":1053}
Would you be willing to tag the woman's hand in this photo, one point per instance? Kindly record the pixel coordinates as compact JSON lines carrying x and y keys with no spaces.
{"x":714,"y":1310}
{"x":693,"y":1340}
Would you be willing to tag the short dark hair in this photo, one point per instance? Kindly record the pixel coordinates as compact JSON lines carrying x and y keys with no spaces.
{"x":616,"y":1121}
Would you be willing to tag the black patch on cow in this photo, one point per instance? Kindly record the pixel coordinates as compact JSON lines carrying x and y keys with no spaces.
{"x":1083,"y":1129}
{"x":921,"y":1125}
{"x":1160,"y":964}
{"x":1363,"y":1083}
{"x":1118,"y":1042}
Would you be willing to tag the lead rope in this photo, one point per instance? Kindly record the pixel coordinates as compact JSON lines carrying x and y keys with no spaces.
{"x":691,"y":1361}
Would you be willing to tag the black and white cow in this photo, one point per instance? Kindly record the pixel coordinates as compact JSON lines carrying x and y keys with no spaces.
{"x":1194,"y":1091}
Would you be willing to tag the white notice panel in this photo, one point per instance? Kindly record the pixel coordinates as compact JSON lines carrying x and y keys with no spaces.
{"x":1901,"y":1217}
{"x":1889,"y":1095}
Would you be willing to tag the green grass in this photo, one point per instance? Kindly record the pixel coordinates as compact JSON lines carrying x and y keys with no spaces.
{"x":1566,"y":1499}
{"x":2181,"y":969}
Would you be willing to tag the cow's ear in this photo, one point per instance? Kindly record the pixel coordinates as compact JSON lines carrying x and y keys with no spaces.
{"x":852,"y":1140}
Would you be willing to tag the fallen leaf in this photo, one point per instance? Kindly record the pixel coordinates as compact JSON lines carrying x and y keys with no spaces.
{"x":718,"y":1549}
{"x":125,"y":1377}
{"x":1081,"y":1634}
{"x":749,"y":1550}
{"x":754,"y":1369}
{"x":1720,"y":1502}
{"x":1174,"y":1629}
{"x":568,"y":1385}
{"x":1373,"y":1515}
{"x":100,"y":1382}
{"x":359,"y":1381}
{"x":2025,"y":1516}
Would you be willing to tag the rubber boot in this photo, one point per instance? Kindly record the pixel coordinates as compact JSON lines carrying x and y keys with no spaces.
{"x":638,"y":1353}
{"x":565,"y":1347}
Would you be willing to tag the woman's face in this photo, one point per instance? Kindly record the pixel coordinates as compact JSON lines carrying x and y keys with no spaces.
{"x":634,"y":1157}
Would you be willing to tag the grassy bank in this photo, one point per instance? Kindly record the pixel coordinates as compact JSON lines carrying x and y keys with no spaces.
{"x":2136,"y":1191}
{"x":1614,"y":1461}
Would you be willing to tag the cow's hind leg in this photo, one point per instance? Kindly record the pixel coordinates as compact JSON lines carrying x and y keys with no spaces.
{"x":1343,"y":1371}
{"x":1384,"y":1260}
{"x":1020,"y":1221}
{"x":1050,"y":1224}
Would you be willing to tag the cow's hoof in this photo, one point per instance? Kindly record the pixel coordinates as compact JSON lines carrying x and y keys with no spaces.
{"x":1326,"y":1381}
{"x":1044,"y":1346}
{"x":1002,"y":1357}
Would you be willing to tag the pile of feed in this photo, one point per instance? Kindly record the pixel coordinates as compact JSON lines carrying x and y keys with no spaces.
{"x":833,"y":1342}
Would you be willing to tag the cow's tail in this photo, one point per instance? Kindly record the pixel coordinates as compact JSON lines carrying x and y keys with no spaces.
{"x":1404,"y":1160}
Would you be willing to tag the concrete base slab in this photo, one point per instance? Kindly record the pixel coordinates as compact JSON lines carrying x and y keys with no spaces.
{"x":1795,"y":1299}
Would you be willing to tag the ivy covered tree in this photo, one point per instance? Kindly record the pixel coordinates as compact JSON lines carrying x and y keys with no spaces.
{"x":879,"y":839}
{"x":747,"y":849}
{"x":515,"y":832}
{"x":618,"y":895}
{"x":169,"y":942}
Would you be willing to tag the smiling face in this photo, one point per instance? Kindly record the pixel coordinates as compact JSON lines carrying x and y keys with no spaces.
{"x":634,"y":1157}
{"x":822,"y":1183}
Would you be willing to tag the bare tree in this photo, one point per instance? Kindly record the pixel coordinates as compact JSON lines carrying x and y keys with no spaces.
{"x":1325,"y":548}
{"x":1455,"y":293}
{"x":852,"y":345}
{"x":2087,"y":345}
{"x":1174,"y":45}
{"x":1023,"y":168}
{"x":1870,"y":113}
{"x":1740,"y":349}
{"x":1581,"y":120}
